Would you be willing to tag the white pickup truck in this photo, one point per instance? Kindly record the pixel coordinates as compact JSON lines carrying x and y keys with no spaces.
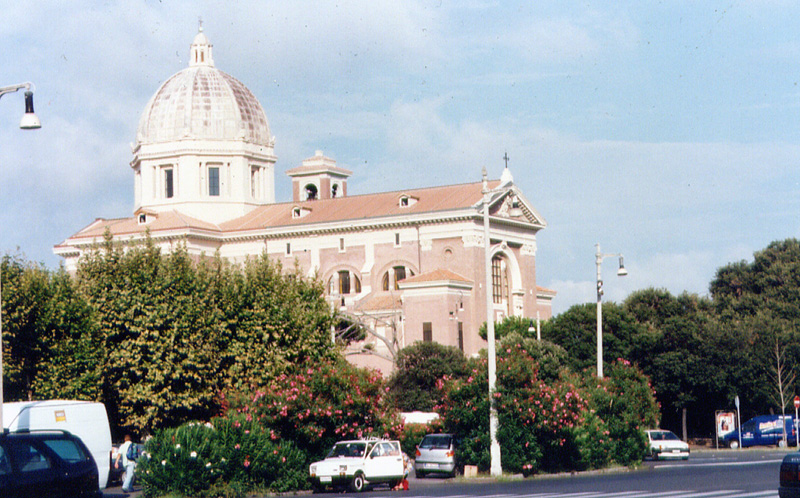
{"x":358,"y":464}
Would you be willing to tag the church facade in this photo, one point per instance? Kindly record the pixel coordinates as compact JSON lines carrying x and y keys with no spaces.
{"x":408,"y":265}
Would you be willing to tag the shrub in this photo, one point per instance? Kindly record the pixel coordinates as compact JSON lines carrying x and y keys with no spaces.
{"x":322,"y":405}
{"x":566,"y":423}
{"x":621,"y":406}
{"x":228,"y":457}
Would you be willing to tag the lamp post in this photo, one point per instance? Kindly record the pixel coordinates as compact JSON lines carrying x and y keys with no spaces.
{"x":599,"y":257}
{"x":29,"y":121}
{"x":496,"y":466}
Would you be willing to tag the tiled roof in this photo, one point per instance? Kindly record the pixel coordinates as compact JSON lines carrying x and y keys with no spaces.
{"x":384,"y":207}
{"x":437,"y":275}
{"x":378,"y":302}
{"x":165,"y":221}
{"x":361,"y":207}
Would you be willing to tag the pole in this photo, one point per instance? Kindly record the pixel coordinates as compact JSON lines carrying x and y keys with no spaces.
{"x":796,"y":427}
{"x":599,"y":263}
{"x":738,"y":421}
{"x":496,"y":467}
{"x":2,"y":427}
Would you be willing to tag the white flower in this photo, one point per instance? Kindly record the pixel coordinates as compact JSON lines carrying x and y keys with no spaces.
{"x":208,"y":464}
{"x":163,"y":462}
{"x":193,"y":454}
{"x":178,"y":446}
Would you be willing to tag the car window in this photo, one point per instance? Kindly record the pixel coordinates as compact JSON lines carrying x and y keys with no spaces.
{"x":68,"y":450}
{"x":27,"y":458}
{"x":391,"y":449}
{"x":5,"y":465}
{"x":436,"y":442}
{"x":347,"y":450}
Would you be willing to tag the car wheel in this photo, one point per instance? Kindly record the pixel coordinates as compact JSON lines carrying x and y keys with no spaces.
{"x":734,"y":445}
{"x":358,"y":483}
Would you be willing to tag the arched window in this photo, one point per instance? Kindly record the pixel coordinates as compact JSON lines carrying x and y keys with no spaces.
{"x":344,"y":282}
{"x":311,"y":192}
{"x":394,"y":275}
{"x":334,"y":190}
{"x":500,"y":293}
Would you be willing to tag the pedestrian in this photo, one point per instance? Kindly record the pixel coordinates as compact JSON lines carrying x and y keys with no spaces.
{"x":129,"y":464}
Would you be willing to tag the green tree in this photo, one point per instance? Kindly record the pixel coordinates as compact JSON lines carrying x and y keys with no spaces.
{"x":273,"y":320}
{"x":510,"y":325}
{"x":158,"y":329}
{"x":575,"y":330}
{"x":758,"y":304}
{"x":26,"y":304}
{"x":419,"y":368}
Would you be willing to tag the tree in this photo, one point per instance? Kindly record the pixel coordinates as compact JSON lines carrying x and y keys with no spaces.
{"x":419,"y":368}
{"x":274,"y":320}
{"x":49,"y":342}
{"x":575,"y":330}
{"x":510,"y":325}
{"x":158,"y":328}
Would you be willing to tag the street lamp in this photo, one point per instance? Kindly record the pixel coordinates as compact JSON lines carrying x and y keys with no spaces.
{"x":29,"y":122}
{"x":496,"y":466}
{"x":599,"y":257}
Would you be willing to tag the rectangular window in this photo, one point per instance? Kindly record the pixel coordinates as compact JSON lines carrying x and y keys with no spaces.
{"x":499,"y":281}
{"x":397,"y":240}
{"x":169,"y":188}
{"x":255,"y":184}
{"x":213,"y":181}
{"x":341,"y":244}
{"x":344,"y":282}
{"x":288,"y":248}
{"x":461,"y":336}
{"x":427,"y":332}
{"x":399,"y":274}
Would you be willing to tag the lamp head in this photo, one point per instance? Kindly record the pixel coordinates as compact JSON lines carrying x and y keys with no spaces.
{"x":29,"y":120}
{"x":622,"y":271}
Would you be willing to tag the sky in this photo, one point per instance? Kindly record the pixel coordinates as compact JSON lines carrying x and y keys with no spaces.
{"x":666,"y":131}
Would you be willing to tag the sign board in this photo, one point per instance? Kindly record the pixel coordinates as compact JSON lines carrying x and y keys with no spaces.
{"x":726,"y":423}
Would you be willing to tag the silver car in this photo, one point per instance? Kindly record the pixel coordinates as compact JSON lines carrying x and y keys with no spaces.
{"x":436,"y":454}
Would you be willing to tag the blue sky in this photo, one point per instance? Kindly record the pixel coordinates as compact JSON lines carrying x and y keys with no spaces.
{"x":668,"y":131}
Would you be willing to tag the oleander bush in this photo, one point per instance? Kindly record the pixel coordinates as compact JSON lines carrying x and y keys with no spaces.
{"x":572,"y":422}
{"x":229,"y":456}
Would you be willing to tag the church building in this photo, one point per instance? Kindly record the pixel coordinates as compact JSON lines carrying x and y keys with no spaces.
{"x":409,"y":264}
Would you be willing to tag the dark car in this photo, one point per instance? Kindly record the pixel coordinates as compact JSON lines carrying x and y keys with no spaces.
{"x":55,"y":464}
{"x":790,"y":476}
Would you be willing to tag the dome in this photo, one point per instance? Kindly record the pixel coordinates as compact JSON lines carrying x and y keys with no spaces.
{"x":203,"y":103}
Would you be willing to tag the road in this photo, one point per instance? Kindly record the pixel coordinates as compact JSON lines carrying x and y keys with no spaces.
{"x":707,"y":474}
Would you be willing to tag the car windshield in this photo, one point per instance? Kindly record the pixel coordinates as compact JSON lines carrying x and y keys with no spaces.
{"x":353,"y":449}
{"x":663,"y":436}
{"x":435,"y":442}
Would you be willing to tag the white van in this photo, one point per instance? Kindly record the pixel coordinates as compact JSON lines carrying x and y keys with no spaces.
{"x":85,"y":419}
